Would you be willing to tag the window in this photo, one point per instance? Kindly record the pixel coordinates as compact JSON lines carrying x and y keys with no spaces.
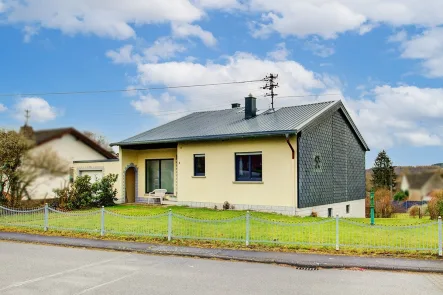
{"x":348,"y":209}
{"x":329,"y":212}
{"x":199,"y":165}
{"x":160,"y":175}
{"x":248,"y":167}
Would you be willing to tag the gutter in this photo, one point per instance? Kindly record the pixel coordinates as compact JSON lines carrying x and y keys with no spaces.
{"x":292,"y":173}
{"x":210,"y":137}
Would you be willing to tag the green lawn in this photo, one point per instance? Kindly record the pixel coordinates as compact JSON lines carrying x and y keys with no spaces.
{"x":265,"y":228}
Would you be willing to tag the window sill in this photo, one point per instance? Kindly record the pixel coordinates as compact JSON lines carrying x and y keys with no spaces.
{"x":198,"y":176}
{"x":248,"y":182}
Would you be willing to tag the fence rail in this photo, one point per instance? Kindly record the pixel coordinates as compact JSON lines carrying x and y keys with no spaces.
{"x":338,"y":233}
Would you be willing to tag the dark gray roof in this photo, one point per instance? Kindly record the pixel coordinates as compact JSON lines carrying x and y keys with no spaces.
{"x":231,"y":123}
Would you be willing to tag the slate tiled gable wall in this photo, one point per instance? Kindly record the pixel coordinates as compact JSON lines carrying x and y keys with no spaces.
{"x":331,"y":163}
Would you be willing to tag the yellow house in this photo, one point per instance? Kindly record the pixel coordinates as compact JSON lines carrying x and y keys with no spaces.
{"x":292,"y":160}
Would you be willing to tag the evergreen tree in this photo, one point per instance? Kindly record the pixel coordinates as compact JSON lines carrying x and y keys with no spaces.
{"x":383,"y":174}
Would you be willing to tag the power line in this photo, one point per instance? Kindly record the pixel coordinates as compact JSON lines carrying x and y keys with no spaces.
{"x":212,"y":107}
{"x":128,"y":90}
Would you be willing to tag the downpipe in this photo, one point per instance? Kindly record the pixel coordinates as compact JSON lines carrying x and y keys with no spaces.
{"x":292,"y":172}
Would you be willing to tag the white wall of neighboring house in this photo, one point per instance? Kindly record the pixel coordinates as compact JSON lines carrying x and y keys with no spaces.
{"x":70,"y":149}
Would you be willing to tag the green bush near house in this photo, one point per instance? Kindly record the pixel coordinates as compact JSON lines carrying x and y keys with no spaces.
{"x":82,"y":194}
{"x":400,"y":196}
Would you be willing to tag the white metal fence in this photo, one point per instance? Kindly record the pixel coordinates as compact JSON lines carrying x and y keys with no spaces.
{"x":338,"y":233}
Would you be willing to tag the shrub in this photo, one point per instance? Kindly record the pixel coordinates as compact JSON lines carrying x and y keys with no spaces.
{"x":435,"y":206}
{"x":104,"y":191}
{"x":414,"y":211}
{"x":226,"y":205}
{"x":314,"y":214}
{"x":400,"y":196}
{"x":383,"y":203}
{"x":82,"y":194}
{"x":407,"y":193}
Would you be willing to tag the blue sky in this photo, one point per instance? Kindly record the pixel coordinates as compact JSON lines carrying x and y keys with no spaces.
{"x":384,"y":59}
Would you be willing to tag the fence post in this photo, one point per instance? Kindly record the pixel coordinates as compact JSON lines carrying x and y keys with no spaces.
{"x":170,"y":225}
{"x":440,"y":237}
{"x":46,"y":217}
{"x":247,"y":228}
{"x":102,"y":227}
{"x":337,"y":236}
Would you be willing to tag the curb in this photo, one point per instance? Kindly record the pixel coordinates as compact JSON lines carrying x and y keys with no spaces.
{"x":302,"y":261}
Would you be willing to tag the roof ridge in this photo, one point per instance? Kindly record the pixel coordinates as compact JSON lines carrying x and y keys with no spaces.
{"x":54,"y":129}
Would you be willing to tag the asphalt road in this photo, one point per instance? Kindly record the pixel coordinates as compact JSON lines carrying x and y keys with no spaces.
{"x":37,"y":269}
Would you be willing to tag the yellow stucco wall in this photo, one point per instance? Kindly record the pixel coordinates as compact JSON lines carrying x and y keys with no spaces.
{"x":107,"y":168}
{"x":139,"y":158}
{"x":279,"y":181}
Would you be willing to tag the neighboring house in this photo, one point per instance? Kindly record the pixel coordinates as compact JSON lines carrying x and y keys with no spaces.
{"x":70,"y":145}
{"x":293,"y":160}
{"x":420,"y":185}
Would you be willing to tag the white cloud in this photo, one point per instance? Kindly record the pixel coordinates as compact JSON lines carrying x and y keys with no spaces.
{"x":427,"y":47}
{"x":400,"y":36}
{"x":317,"y":48}
{"x":294,"y":79}
{"x":163,"y":48}
{"x":100,"y":17}
{"x":123,"y":55}
{"x":29,"y":32}
{"x":185,"y":30}
{"x":2,"y":6}
{"x":40,"y":109}
{"x":328,"y":18}
{"x":280,"y":53}
{"x":160,"y":106}
{"x":3,"y":108}
{"x":400,"y":115}
{"x":217,"y":4}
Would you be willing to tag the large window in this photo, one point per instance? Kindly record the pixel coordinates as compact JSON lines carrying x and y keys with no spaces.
{"x":160,"y":175}
{"x":248,"y":167}
{"x":199,"y":165}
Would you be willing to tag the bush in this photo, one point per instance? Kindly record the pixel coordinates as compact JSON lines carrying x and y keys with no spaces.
{"x":226,"y":205}
{"x":104,"y":191}
{"x":383,"y":203}
{"x":407,"y":193}
{"x":414,"y":211}
{"x":314,"y":214}
{"x":435,"y":206}
{"x":82,"y":194}
{"x":400,"y":196}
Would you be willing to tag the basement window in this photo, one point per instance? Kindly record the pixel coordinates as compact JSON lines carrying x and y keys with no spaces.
{"x":329,"y":212}
{"x":348,"y":209}
{"x":199,"y":165}
{"x":248,"y":167}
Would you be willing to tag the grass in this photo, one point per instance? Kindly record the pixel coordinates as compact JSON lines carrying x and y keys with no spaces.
{"x":267,"y":230}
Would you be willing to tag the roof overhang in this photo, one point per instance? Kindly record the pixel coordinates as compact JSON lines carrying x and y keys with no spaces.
{"x":210,"y":138}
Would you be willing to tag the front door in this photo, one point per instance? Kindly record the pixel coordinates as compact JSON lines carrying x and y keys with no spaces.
{"x":130,"y":185}
{"x":160,"y":175}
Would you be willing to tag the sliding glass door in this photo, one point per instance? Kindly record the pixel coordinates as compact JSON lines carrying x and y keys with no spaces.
{"x":160,"y":175}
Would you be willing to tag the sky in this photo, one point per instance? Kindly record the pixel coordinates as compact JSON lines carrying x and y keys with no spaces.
{"x":382,"y":58}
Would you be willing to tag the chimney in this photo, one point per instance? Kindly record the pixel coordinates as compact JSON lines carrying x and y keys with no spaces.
{"x":235,"y":105}
{"x":250,"y":107}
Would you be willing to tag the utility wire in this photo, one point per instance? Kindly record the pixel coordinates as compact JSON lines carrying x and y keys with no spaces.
{"x":128,"y":89}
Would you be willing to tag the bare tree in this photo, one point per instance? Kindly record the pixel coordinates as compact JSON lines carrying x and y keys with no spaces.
{"x":20,"y":166}
{"x":100,"y":139}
